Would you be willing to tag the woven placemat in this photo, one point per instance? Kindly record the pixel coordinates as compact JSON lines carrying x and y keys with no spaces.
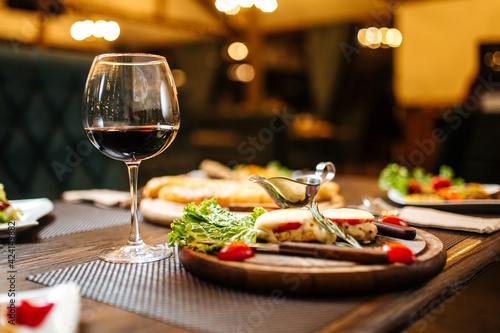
{"x":68,"y":219}
{"x":165,"y":291}
{"x":449,"y":238}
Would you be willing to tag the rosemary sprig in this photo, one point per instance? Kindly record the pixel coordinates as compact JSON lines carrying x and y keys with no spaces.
{"x":332,"y":227}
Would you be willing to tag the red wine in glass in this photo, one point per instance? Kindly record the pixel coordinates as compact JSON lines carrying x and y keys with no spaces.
{"x":132,"y":143}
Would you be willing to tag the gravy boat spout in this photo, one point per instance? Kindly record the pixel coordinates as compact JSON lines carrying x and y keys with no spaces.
{"x":299,"y":192}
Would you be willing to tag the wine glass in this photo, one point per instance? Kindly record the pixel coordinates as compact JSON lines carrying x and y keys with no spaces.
{"x":130,"y":113}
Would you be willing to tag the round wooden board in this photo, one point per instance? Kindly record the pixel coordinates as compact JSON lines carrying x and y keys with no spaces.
{"x":292,"y":275}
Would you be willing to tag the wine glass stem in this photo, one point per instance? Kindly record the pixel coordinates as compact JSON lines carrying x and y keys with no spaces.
{"x":134,"y":238}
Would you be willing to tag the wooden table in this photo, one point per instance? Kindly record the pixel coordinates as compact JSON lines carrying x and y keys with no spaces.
{"x":383,"y":313}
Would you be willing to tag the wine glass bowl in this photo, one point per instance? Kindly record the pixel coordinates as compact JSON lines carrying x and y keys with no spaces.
{"x":130,"y":113}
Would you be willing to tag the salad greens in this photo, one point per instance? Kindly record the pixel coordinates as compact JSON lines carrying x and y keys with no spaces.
{"x":282,"y":170}
{"x":7,"y":212}
{"x":395,"y":176}
{"x":209,"y":222}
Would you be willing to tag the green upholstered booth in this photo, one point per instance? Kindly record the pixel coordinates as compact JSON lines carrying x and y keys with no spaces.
{"x":43,"y":150}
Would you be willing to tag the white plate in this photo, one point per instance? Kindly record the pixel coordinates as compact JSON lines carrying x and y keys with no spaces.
{"x":33,"y":209}
{"x":64,"y":316}
{"x":488,"y":205}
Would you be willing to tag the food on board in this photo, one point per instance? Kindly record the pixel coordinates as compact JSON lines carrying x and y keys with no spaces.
{"x":236,"y":251}
{"x":355,"y":222}
{"x":399,"y":253}
{"x":291,"y":224}
{"x":392,"y":220}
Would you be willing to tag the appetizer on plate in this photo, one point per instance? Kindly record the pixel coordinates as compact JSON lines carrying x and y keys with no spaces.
{"x":45,"y":310}
{"x":7,"y":212}
{"x":217,"y":170}
{"x":418,"y":186}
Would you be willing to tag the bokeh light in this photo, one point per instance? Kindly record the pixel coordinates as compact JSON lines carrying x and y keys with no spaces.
{"x":246,"y":3}
{"x":237,"y":51}
{"x":226,"y":5}
{"x":266,"y":6}
{"x":180,"y":77}
{"x":394,"y":37}
{"x":100,"y":29}
{"x":241,"y":72}
{"x":492,"y":60}
{"x":112,"y":31}
{"x":78,"y":31}
{"x":374,"y":38}
{"x":232,"y":7}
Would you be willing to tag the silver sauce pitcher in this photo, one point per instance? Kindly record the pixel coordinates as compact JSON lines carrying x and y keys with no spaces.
{"x":299,"y":192}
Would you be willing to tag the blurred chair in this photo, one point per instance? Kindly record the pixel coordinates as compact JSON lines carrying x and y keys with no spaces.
{"x":43,"y":150}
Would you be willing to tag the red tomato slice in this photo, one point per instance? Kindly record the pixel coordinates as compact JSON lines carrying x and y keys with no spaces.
{"x":393,"y":220}
{"x":399,"y":253}
{"x":4,"y":205}
{"x":235,"y":251}
{"x":440,"y":182}
{"x":414,"y":186}
{"x":288,"y":226}
{"x":31,"y":315}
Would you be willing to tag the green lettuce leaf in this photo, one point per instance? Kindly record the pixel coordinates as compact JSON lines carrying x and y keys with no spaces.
{"x":209,"y":222}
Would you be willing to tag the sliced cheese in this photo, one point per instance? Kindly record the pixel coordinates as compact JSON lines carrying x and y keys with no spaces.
{"x":309,"y":230}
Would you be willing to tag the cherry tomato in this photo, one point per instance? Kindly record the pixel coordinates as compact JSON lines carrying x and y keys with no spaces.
{"x":392,"y":220}
{"x":288,"y":226}
{"x":399,"y":253}
{"x":31,"y":315}
{"x":3,"y":205}
{"x":235,"y":251}
{"x":440,"y":181}
{"x":414,"y":186}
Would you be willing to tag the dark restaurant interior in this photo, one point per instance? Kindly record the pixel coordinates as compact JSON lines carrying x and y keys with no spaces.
{"x":361,"y":83}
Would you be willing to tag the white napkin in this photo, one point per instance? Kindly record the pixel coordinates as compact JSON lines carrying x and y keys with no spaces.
{"x":427,"y":217}
{"x":104,"y":198}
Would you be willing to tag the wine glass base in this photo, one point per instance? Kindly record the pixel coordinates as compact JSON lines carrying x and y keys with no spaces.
{"x":136,"y":254}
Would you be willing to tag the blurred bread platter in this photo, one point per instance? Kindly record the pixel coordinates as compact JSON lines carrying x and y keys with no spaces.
{"x":164,"y":197}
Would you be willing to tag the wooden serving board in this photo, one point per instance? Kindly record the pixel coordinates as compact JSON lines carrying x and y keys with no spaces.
{"x":292,"y":275}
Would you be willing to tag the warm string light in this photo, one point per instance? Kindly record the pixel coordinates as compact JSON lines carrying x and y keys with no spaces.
{"x":239,"y":71}
{"x":384,"y":37}
{"x":237,"y":51}
{"x":492,"y":60}
{"x":100,"y":29}
{"x":232,"y":7}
